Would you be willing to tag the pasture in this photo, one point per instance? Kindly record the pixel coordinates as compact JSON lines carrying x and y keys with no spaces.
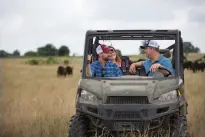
{"x":34,"y":102}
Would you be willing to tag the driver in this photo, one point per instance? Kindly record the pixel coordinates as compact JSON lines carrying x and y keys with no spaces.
{"x":155,"y":60}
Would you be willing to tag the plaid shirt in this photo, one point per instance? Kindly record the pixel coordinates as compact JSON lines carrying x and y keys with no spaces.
{"x":110,"y":70}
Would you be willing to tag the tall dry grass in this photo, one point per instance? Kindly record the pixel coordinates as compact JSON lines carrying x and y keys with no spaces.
{"x":195,"y":95}
{"x":34,"y":102}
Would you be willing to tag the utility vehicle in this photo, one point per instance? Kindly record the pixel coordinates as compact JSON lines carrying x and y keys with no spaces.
{"x":134,"y":103}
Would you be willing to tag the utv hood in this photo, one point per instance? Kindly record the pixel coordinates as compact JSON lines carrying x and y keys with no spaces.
{"x":129,"y":87}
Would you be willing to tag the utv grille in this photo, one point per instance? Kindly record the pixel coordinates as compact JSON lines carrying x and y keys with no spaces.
{"x":127,"y":100}
{"x":126,"y":115}
{"x":120,"y":115}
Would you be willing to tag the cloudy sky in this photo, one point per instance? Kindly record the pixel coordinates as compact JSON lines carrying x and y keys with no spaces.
{"x":28,"y":24}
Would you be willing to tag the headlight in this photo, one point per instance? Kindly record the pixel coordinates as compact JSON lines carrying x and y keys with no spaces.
{"x":87,"y":97}
{"x":170,"y":96}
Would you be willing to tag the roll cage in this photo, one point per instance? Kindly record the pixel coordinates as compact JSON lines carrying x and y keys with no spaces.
{"x":92,"y":38}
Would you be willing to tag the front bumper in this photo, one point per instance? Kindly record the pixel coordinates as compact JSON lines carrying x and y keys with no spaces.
{"x":135,"y":116}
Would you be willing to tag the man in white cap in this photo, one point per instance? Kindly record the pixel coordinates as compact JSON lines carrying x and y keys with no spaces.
{"x":103,"y":67}
{"x":155,"y":60}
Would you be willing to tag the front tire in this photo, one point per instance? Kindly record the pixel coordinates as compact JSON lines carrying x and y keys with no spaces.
{"x":179,"y":126}
{"x":78,"y":126}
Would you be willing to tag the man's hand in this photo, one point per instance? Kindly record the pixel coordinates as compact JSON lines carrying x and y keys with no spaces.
{"x":133,"y":68}
{"x":155,"y":67}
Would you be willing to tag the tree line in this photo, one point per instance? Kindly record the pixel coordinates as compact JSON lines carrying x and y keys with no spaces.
{"x":47,"y":50}
{"x":51,"y":50}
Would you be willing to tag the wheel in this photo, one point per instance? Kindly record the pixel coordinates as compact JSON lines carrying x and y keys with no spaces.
{"x":179,"y":126}
{"x":78,"y":126}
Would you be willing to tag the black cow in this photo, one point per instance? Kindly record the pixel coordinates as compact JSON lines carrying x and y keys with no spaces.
{"x":197,"y":66}
{"x":61,"y":71}
{"x":69,"y":70}
{"x":187,"y":65}
{"x":201,"y":67}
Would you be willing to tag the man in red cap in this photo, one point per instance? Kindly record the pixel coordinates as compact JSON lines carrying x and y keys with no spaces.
{"x":103,"y":67}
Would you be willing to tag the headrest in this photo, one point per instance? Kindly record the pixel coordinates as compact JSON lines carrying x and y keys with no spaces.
{"x":165,"y":52}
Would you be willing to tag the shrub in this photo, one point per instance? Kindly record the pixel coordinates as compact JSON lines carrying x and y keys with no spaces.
{"x":48,"y":61}
{"x":66,"y":62}
{"x":52,"y":60}
{"x":33,"y":62}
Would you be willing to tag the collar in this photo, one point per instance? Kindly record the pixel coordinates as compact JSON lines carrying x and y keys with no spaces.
{"x":107,"y":62}
{"x":158,"y":60}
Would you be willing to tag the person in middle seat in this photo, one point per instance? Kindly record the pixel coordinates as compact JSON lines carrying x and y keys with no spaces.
{"x":114,"y":57}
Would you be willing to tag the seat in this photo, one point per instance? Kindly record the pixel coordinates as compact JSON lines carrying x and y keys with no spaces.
{"x":165,"y":52}
{"x":125,"y":65}
{"x":142,"y":72}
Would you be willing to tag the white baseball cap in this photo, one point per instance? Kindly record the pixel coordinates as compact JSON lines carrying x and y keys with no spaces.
{"x":150,"y":43}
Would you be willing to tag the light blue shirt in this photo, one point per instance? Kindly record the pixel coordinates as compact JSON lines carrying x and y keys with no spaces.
{"x":165,"y":62}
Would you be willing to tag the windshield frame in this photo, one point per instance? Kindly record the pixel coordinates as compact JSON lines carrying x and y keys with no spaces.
{"x":134,"y":35}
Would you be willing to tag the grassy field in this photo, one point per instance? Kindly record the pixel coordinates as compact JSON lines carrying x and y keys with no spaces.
{"x":34,"y":102}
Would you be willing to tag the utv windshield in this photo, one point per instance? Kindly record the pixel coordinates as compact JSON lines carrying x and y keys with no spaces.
{"x":125,"y":50}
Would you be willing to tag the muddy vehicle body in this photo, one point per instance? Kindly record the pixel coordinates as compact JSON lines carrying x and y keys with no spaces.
{"x":131,"y":103}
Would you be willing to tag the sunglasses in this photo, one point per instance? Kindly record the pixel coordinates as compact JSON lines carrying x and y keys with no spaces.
{"x":112,"y":50}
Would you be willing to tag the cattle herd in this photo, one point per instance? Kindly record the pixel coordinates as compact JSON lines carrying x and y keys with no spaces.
{"x":195,"y":66}
{"x":63,"y":71}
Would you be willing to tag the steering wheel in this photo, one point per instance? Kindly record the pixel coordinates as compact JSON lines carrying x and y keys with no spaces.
{"x":156,"y":73}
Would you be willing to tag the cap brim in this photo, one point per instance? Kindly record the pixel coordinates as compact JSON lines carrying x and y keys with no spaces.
{"x":142,"y":47}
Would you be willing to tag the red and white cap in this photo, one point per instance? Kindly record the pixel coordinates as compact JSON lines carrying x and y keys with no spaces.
{"x":102,"y":48}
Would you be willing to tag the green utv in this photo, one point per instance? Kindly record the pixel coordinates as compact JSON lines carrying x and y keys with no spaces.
{"x":134,"y":104}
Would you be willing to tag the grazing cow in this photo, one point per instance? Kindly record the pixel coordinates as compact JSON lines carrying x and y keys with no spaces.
{"x":187,"y":65}
{"x":202,"y":67}
{"x":61,"y":71}
{"x":197,"y":66}
{"x":69,"y":70}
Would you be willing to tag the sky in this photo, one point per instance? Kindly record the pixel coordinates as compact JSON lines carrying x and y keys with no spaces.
{"x":28,"y":24}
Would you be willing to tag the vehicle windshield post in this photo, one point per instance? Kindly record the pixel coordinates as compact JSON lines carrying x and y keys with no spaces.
{"x":85,"y":56}
{"x":177,"y":55}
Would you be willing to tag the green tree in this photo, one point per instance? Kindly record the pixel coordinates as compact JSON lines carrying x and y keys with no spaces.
{"x":190,"y":48}
{"x":16,"y":53}
{"x":197,"y":49}
{"x":64,"y":51}
{"x":48,"y":50}
{"x":30,"y":53}
{"x":3,"y":53}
